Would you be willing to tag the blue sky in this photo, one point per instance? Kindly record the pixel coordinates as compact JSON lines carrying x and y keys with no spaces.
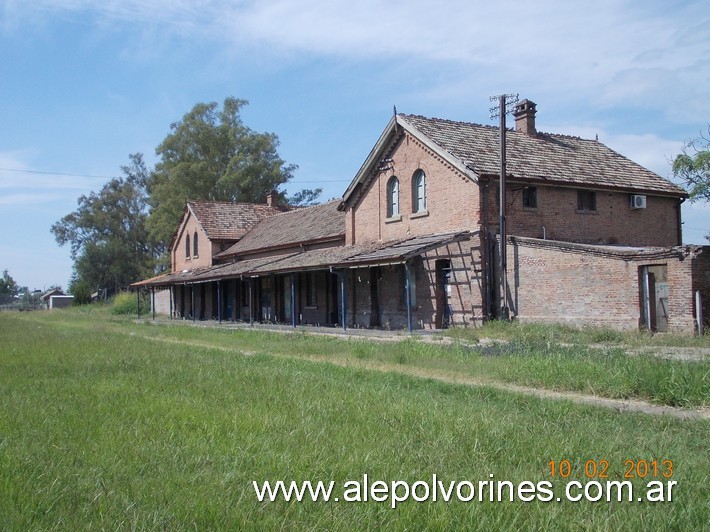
{"x":83,"y":84}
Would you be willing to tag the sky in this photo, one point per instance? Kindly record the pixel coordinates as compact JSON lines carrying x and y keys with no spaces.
{"x":83,"y":84}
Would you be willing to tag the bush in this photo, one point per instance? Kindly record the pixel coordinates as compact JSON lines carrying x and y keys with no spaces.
{"x":125,"y":303}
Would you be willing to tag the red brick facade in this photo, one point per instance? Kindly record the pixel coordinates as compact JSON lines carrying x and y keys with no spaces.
{"x":585,"y":258}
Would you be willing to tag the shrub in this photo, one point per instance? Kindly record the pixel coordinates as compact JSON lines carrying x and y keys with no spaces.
{"x":125,"y":303}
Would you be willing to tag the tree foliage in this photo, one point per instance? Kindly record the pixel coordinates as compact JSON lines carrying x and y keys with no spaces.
{"x":121,"y":233}
{"x":693,"y":167}
{"x":211,"y":155}
{"x":108,"y":232}
{"x":8,"y":286}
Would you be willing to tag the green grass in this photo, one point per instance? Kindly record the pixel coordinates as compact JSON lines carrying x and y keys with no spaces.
{"x":532,"y":362}
{"x":540,"y":332}
{"x":109,"y":424}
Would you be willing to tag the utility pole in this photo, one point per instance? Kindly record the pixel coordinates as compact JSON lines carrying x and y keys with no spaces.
{"x":505,"y":106}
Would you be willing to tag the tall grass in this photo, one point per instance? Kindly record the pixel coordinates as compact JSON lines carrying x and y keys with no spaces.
{"x":101,"y":426}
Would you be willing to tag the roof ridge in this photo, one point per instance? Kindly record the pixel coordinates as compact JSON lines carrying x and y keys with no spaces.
{"x":460,"y":122}
{"x":305,"y":208}
{"x":222,"y":202}
{"x":509,"y":129}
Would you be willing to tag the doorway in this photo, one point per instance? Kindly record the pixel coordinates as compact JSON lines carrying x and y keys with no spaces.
{"x":654,"y":292}
{"x":442,"y":294}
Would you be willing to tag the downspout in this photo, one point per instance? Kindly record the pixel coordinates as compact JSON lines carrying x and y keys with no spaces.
{"x":679,"y":221}
{"x":408,"y":292}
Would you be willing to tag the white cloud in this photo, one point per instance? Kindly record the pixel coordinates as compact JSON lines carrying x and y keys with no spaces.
{"x":611,"y":53}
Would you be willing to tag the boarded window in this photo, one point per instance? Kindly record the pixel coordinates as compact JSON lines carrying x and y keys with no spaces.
{"x":586,"y":200}
{"x":403,"y":287}
{"x":311,"y":290}
{"x":530,"y":197}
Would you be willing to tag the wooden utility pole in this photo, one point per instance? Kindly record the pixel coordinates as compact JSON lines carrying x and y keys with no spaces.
{"x":505,"y":104}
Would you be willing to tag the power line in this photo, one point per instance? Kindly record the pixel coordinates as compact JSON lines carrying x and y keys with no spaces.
{"x":55,"y":173}
{"x":295,"y":180}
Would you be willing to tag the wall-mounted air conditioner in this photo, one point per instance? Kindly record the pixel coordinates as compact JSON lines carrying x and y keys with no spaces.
{"x":638,"y":201}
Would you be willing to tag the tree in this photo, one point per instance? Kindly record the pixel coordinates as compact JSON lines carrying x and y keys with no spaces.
{"x":108,"y":234}
{"x":211,"y":155}
{"x":8,"y":286}
{"x":693,"y":167}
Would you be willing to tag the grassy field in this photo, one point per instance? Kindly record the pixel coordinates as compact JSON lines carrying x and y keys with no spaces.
{"x":106,"y":423}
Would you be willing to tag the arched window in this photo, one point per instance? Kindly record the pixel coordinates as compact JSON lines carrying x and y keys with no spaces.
{"x":392,"y":197}
{"x":187,"y":246}
{"x":194,"y":245}
{"x":419,"y":191}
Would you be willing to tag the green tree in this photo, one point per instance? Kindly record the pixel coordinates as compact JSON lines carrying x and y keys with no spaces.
{"x":211,"y":155}
{"x":108,"y":234}
{"x":8,"y":286}
{"x":693,"y":167}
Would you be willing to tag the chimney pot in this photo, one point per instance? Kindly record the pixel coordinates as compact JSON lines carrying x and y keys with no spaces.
{"x":271,"y":198}
{"x":524,"y":114}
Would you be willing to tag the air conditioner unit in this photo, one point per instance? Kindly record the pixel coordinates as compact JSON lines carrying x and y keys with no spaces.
{"x":638,"y":202}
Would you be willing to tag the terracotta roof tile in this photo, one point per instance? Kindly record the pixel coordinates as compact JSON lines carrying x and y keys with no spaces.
{"x":557,"y":159}
{"x":229,"y":221}
{"x":318,"y":223}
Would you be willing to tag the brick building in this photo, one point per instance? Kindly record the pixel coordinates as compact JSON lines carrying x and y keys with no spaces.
{"x":413,"y":243}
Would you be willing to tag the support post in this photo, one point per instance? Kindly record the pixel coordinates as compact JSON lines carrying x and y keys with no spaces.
{"x":251,"y":302}
{"x":138,"y":302}
{"x":171,"y":301}
{"x":293,"y":299}
{"x":699,"y":311}
{"x":343,"y":307}
{"x":152,"y":301}
{"x":192,"y":300}
{"x":219,"y":301}
{"x":408,"y":295}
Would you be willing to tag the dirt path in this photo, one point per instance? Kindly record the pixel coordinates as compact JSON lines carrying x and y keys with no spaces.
{"x":620,"y":405}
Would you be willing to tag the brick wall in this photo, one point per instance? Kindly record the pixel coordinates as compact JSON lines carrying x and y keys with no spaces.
{"x":613,"y":222}
{"x":466,"y":296}
{"x":580,"y":286}
{"x":205,"y":249}
{"x":452,"y":199}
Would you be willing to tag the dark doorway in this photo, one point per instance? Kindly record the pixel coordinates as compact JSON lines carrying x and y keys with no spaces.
{"x":442,"y":294}
{"x":375,"y":276}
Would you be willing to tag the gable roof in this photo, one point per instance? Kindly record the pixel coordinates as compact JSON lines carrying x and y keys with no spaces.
{"x":320,"y":223}
{"x":224,"y":220}
{"x":545,"y":158}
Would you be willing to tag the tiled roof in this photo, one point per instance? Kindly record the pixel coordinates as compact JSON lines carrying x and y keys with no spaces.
{"x":229,"y":221}
{"x":557,"y":159}
{"x":310,"y":224}
{"x":337,"y":257}
{"x":406,"y":249}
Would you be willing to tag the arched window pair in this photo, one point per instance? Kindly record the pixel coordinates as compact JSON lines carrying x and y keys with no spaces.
{"x":419,"y":191}
{"x":194,"y":245}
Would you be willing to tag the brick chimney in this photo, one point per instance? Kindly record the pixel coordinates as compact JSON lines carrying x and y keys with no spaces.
{"x":271,"y":198}
{"x":524,"y":114}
